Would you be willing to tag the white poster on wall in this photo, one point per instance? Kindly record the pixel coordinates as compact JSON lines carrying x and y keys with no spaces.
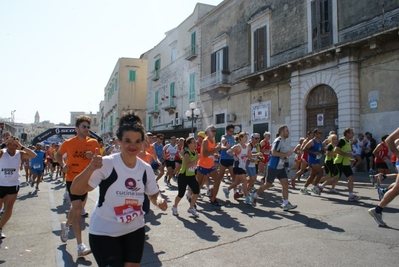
{"x":260,"y":111}
{"x":320,"y":119}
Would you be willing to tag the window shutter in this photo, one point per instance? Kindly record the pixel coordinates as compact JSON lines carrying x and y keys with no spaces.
{"x":192,"y":87}
{"x":226,"y":58}
{"x":213,"y":62}
{"x":132,"y":75}
{"x":156,"y":100}
{"x":260,"y":48}
{"x":193,"y":43}
{"x":315,"y":33}
{"x":172,"y":93}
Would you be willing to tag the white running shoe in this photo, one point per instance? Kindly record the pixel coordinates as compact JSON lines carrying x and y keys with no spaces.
{"x":174,"y":211}
{"x":83,"y":250}
{"x":64,"y":232}
{"x":193,"y":211}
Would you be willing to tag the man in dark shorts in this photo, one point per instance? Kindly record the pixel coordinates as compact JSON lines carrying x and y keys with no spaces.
{"x":342,"y":161}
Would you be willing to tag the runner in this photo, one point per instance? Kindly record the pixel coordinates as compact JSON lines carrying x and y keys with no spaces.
{"x":227,"y":161}
{"x":158,"y":147}
{"x":169,"y":153}
{"x":392,"y":141}
{"x":241,"y":153}
{"x":10,"y":161}
{"x":56,"y":165}
{"x":314,"y":150}
{"x":329,"y":167}
{"x":381,"y":156}
{"x":342,"y":161}
{"x":187,"y":177}
{"x":80,"y":150}
{"x":279,"y":151}
{"x":265,"y":148}
{"x":206,"y":163}
{"x":116,"y":231}
{"x":37,"y":165}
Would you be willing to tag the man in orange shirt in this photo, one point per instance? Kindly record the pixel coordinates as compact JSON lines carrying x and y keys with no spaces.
{"x":80,"y":149}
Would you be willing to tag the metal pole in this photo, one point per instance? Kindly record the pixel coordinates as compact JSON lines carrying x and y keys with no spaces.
{"x":192,"y":121}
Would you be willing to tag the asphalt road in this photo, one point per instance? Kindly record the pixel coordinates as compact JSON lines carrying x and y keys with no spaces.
{"x":324,"y":230}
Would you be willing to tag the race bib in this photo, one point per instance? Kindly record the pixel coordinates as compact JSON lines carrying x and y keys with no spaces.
{"x":281,"y":162}
{"x":128,"y":212}
{"x":192,"y":169}
{"x":36,"y":166}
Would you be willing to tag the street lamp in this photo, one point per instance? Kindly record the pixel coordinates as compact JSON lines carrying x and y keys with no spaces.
{"x":192,"y":115}
{"x":12,"y":116}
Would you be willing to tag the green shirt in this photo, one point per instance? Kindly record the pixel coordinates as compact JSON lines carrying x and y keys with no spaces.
{"x":188,"y":171}
{"x":345,"y":147}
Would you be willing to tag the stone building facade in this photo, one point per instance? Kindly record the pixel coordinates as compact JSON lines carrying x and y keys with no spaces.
{"x":173,"y":77}
{"x":125,"y":92}
{"x":330,"y":64}
{"x":260,"y":64}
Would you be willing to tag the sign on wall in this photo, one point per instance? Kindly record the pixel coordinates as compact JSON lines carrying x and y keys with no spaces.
{"x":260,"y":111}
{"x":320,"y":119}
{"x":373,"y":104}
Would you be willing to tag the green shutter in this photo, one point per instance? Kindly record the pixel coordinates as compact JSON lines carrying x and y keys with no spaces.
{"x":172,"y":94}
{"x":192,"y":87}
{"x":156,"y":100}
{"x":193,"y":43}
{"x":132,"y":75}
{"x":149,"y":123}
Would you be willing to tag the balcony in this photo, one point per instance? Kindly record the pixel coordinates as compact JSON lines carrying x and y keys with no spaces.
{"x":155,"y":75}
{"x":171,"y":109}
{"x":217,"y":84}
{"x":154,"y":113}
{"x":191,"y":52}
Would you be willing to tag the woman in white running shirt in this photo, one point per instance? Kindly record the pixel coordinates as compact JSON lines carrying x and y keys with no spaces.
{"x":116,"y":232}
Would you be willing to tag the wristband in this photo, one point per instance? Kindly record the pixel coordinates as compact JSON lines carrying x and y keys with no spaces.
{"x":22,"y":148}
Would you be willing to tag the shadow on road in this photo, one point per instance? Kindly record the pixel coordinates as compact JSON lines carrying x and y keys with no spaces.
{"x":68,"y":259}
{"x":150,"y":258}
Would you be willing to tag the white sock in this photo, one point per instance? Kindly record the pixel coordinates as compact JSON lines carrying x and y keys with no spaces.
{"x":285,"y":202}
{"x":350,"y":194}
{"x":255,"y":195}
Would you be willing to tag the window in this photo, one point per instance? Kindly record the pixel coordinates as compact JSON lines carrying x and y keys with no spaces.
{"x":172,"y":94}
{"x":260,"y":40}
{"x":260,"y":48}
{"x":149,"y":123}
{"x":94,"y":121}
{"x":219,"y":60}
{"x":191,"y":95}
{"x":157,"y":67}
{"x":321,"y":17}
{"x":173,"y":54}
{"x":193,"y":43}
{"x":116,"y":84}
{"x":132,"y":75}
{"x":156,"y":100}
{"x":220,"y":118}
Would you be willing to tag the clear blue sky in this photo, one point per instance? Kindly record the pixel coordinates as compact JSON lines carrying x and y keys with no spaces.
{"x":56,"y":56}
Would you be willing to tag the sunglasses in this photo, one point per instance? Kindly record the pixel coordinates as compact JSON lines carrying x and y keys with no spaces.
{"x":85,"y":127}
{"x":160,"y":138}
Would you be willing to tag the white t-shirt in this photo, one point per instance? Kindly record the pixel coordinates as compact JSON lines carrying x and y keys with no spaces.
{"x":121,"y":194}
{"x":9,"y":168}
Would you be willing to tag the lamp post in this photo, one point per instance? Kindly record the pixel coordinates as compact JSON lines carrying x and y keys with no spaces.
{"x":192,"y":115}
{"x":13,"y":116}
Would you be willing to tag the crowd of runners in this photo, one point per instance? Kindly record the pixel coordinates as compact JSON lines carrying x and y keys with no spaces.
{"x":129,"y":168}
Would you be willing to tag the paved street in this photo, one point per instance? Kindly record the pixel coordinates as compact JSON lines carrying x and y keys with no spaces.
{"x":324,"y":230}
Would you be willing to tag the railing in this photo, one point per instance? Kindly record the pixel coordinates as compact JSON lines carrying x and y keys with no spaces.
{"x":191,"y":52}
{"x":155,"y":75}
{"x":216,"y":78}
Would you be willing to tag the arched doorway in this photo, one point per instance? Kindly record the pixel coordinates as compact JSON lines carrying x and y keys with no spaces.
{"x":322,"y":109}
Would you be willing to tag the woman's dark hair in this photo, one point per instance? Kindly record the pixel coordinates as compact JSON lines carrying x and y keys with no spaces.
{"x":384,"y":137}
{"x":130,"y":122}
{"x":188,"y":141}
